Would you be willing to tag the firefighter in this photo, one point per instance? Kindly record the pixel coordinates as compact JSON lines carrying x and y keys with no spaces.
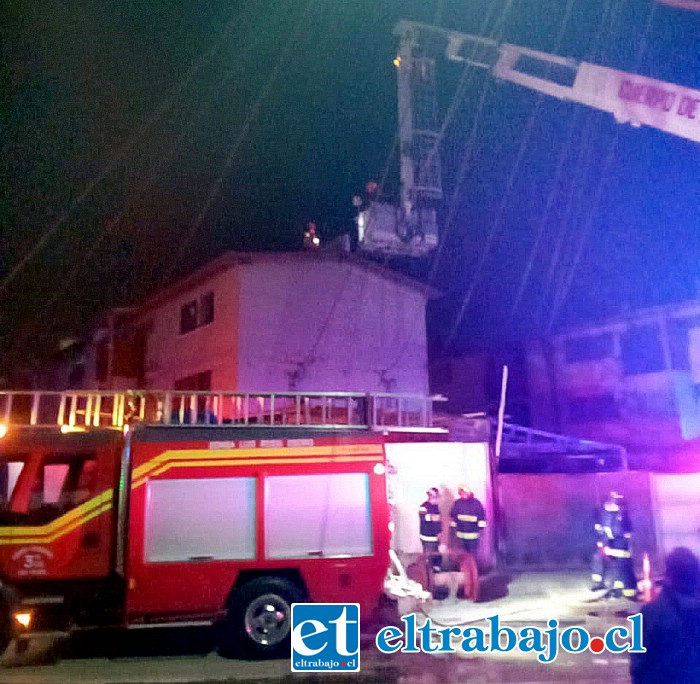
{"x":613,"y":568}
{"x":430,"y":528}
{"x":467,"y":520}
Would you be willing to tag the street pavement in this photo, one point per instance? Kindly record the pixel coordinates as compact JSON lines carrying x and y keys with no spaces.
{"x":185,"y":656}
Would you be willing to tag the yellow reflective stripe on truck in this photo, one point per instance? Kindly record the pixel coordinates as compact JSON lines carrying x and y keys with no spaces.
{"x":44,"y":534}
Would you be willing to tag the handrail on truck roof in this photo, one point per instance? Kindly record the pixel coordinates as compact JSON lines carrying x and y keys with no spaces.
{"x":81,"y":410}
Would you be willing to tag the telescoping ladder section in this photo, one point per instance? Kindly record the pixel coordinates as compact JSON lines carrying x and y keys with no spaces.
{"x":85,"y":409}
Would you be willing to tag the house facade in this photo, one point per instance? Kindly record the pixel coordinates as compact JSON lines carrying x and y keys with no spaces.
{"x":305,"y":321}
{"x":632,"y":380}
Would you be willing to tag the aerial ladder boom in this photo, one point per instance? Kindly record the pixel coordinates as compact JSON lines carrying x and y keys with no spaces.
{"x":411,"y":229}
{"x":630,"y":98}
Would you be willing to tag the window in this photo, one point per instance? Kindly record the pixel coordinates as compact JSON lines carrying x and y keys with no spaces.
{"x":64,"y":482}
{"x":197,"y":313}
{"x":589,"y":348}
{"x":199,"y":382}
{"x":317,"y":515}
{"x":195,"y":519}
{"x":599,"y":407}
{"x":641,"y":350}
{"x":9,"y":474}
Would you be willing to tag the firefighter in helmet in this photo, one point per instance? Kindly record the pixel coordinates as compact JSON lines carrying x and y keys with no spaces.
{"x":613,"y":568}
{"x":430,"y":528}
{"x":467,"y":520}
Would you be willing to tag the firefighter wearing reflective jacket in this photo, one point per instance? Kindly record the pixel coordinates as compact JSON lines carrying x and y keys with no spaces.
{"x":467,"y":520}
{"x":431,"y":527}
{"x":613,"y":568}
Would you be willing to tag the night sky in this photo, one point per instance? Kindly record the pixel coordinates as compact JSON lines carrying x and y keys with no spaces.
{"x":228,"y":125}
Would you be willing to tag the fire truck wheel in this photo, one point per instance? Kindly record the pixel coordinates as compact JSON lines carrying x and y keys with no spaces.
{"x":259,"y":619}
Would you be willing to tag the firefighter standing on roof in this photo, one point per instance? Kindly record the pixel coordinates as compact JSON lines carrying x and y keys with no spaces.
{"x":467,"y":521}
{"x":613,"y":568}
{"x":431,"y":527}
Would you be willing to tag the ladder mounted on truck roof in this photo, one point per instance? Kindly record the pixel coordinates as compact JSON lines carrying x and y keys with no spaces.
{"x":81,"y":410}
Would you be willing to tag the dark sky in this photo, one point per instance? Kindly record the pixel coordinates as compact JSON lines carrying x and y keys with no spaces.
{"x":152,"y":97}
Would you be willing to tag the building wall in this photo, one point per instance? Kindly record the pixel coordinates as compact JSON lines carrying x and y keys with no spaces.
{"x":172,"y":356}
{"x":547,"y":520}
{"x":472,"y":383}
{"x":632,"y":381}
{"x":329,"y":325}
{"x":305,"y":324}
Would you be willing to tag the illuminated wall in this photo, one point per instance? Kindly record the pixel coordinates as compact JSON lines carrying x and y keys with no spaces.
{"x":173,"y":355}
{"x":308,"y":324}
{"x":633,"y":381}
{"x":417,"y":466}
{"x":286,"y":322}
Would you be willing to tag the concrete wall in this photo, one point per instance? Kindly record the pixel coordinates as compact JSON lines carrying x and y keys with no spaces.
{"x":676,"y":500}
{"x":322,"y":325}
{"x":414,"y":467}
{"x":631,"y":381}
{"x":547,"y":520}
{"x":171,"y":356}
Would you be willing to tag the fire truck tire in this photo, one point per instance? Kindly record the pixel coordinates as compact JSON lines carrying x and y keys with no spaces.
{"x":259,"y":619}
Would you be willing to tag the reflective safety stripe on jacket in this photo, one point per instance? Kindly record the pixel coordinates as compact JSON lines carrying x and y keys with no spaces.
{"x":430,"y":521}
{"x":616,"y":553}
{"x":467,"y":518}
{"x":467,"y":535}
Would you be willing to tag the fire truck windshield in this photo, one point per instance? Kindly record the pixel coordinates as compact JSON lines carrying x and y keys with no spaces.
{"x":10,"y":467}
{"x":58,"y":483}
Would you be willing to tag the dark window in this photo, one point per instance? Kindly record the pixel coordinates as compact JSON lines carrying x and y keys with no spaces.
{"x":197,"y":313}
{"x":188,"y":317}
{"x":599,"y":407}
{"x":589,"y":348}
{"x":641,"y":350}
{"x":199,"y":382}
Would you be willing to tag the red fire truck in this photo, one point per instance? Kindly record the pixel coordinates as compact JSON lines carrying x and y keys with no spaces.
{"x":145,"y":508}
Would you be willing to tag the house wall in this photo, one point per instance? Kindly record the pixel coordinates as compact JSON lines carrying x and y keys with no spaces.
{"x":631,"y":382}
{"x":547,"y":520}
{"x":171,"y":356}
{"x":329,"y":325}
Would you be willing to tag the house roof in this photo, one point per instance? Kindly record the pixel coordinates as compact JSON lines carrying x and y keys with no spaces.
{"x":686,"y":309}
{"x":232,"y":259}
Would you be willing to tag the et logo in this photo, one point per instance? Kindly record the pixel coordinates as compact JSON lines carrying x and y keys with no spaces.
{"x":325,"y":637}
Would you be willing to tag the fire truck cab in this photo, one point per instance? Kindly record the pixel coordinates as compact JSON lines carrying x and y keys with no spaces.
{"x":140,"y":508}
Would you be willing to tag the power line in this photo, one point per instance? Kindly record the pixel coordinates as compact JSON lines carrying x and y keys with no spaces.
{"x":563,"y":295}
{"x":243,"y":134}
{"x":505,"y":199}
{"x":109,"y":228}
{"x":166,"y":103}
{"x":565,"y":236}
